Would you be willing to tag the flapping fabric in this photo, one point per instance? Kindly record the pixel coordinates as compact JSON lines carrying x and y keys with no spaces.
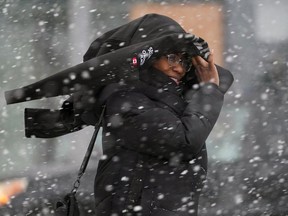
{"x":115,"y":56}
{"x":118,"y":55}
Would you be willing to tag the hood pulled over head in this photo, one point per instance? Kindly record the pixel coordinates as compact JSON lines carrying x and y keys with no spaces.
{"x":146,"y":28}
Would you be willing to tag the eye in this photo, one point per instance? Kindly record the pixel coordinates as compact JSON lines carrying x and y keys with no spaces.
{"x":173,"y":58}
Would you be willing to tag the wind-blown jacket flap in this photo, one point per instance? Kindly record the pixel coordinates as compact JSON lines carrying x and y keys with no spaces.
{"x":112,"y":58}
{"x":102,"y":70}
{"x":46,"y":123}
{"x":115,"y":63}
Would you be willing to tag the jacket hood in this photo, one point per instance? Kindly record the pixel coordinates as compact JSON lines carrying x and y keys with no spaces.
{"x":146,"y":28}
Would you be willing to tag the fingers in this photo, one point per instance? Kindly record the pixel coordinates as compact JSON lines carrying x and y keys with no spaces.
{"x":206,"y":71}
{"x":211,"y":58}
{"x":199,"y":61}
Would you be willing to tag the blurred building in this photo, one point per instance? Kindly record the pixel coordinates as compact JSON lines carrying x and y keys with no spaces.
{"x":248,"y":153}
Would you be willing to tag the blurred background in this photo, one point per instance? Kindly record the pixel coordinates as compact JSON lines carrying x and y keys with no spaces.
{"x":248,"y":154}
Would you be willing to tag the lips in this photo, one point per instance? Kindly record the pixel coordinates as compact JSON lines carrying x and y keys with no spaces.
{"x":175,"y":80}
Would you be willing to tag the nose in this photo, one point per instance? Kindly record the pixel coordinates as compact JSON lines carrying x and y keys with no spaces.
{"x":179,"y":69}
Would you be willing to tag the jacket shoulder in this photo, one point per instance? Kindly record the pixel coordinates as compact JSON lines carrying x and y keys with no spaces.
{"x":226,"y":79}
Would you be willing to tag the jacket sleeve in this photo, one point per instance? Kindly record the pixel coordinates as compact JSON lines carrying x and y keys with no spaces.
{"x":137,"y":123}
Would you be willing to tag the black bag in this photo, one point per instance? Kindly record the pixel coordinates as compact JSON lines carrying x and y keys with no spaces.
{"x":68,"y":206}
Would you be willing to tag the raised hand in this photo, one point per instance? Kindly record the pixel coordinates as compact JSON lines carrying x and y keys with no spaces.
{"x":206,"y":71}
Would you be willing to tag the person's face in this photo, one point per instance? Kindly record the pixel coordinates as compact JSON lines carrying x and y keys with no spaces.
{"x":172,"y":65}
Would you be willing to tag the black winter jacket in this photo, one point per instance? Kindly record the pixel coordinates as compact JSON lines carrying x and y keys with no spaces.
{"x":154,"y":136}
{"x":154,"y":131}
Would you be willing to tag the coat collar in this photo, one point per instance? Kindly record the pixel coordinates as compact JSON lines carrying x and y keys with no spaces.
{"x":159,"y":80}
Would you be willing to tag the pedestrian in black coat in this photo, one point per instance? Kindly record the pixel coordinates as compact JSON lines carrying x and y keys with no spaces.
{"x":154,"y":134}
{"x":162,"y":93}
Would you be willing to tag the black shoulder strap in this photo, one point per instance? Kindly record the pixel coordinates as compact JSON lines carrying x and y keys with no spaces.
{"x":88,"y":153}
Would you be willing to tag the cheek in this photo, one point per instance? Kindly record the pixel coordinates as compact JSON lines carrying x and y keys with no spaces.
{"x":162,"y":65}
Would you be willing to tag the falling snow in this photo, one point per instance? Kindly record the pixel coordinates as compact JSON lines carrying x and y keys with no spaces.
{"x":247,"y":149}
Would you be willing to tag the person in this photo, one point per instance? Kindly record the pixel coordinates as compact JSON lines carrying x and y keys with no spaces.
{"x":162,"y":95}
{"x":154,"y":133}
